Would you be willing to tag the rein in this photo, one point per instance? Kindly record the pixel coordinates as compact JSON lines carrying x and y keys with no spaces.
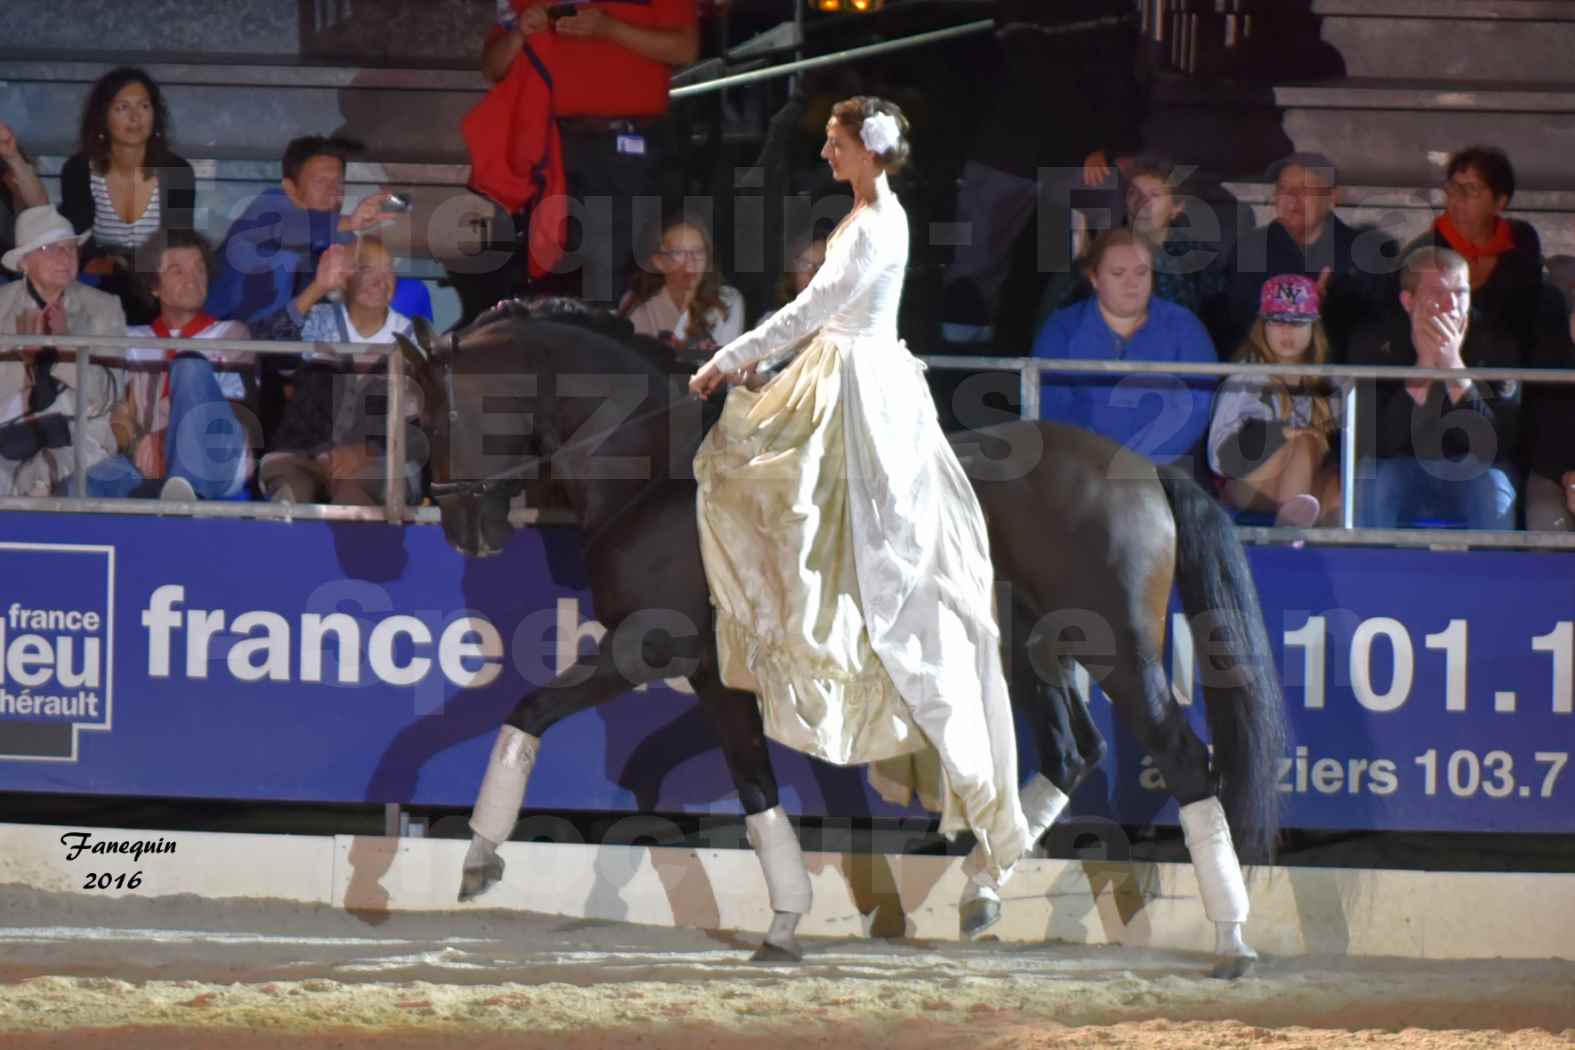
{"x":499,"y":479}
{"x":482,"y":486}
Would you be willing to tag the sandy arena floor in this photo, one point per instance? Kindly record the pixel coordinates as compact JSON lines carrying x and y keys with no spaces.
{"x":183,"y":974}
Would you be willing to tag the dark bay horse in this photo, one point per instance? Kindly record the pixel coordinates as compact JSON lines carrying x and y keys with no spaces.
{"x":550,"y":394}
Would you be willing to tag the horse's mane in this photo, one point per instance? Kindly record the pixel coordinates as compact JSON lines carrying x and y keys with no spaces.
{"x":651,"y":352}
{"x":557,"y":309}
{"x":565,"y":310}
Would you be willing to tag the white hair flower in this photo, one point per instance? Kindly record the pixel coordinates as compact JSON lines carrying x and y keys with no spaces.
{"x":880,"y":133}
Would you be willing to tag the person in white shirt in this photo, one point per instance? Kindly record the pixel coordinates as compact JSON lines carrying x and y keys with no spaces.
{"x":681,"y":297}
{"x":328,"y":445}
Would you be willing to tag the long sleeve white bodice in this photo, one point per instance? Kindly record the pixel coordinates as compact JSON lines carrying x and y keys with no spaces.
{"x":847,"y":553}
{"x":854,"y":295}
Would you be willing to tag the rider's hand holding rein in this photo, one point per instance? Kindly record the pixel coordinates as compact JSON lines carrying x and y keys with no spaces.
{"x":706,"y":381}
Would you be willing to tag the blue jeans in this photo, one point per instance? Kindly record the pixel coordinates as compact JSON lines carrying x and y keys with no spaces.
{"x":1406,"y":490}
{"x":205,"y":443}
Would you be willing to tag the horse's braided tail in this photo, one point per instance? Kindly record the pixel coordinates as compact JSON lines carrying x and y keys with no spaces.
{"x":1246,"y":712}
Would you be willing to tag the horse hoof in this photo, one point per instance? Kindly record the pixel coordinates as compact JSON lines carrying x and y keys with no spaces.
{"x":478,"y":880}
{"x":777,"y":953}
{"x":1233,"y":967}
{"x":977,"y":916}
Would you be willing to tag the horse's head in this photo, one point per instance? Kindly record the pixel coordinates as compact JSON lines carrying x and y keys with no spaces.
{"x":474,"y":473}
{"x":530,"y":397}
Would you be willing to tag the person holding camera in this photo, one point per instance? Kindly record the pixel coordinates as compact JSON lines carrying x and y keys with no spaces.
{"x":330,"y":445}
{"x":574,"y":128}
{"x":270,"y":254}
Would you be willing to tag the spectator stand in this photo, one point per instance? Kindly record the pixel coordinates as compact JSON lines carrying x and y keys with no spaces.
{"x":394,"y":511}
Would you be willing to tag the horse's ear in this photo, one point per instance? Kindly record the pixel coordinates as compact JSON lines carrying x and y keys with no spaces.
{"x":426,"y":337}
{"x":418,"y":368}
{"x":416,"y":362}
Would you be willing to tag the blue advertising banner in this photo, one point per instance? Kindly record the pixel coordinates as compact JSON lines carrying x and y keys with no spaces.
{"x":363,"y":663}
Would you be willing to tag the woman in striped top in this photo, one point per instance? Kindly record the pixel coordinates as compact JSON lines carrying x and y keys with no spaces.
{"x":125,"y":182}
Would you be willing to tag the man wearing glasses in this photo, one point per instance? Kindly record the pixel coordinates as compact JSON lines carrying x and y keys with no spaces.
{"x":1354,"y":266}
{"x":1505,"y":270}
{"x":1504,"y":255}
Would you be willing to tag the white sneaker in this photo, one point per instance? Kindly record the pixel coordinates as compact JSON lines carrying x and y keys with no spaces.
{"x":1298,"y":512}
{"x":178,"y":490}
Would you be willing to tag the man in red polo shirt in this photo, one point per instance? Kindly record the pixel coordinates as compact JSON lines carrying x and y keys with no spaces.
{"x":606,"y":67}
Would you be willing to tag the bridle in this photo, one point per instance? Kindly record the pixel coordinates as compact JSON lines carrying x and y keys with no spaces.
{"x":505,"y":480}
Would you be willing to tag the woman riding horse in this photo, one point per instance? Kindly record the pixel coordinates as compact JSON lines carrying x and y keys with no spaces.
{"x":845,"y":549}
{"x":1082,"y":534}
{"x":1074,"y":523}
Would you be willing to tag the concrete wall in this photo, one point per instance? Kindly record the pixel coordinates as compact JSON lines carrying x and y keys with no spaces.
{"x":425,"y":32}
{"x":1295,"y":911}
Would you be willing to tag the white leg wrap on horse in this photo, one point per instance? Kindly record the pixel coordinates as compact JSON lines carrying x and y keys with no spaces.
{"x":480,"y":851}
{"x":775,"y":841}
{"x":1043,"y":803}
{"x":503,"y":788}
{"x":980,"y":887}
{"x":1228,"y":940}
{"x":1220,"y":882}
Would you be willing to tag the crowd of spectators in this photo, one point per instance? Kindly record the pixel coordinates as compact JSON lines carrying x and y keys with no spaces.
{"x":1308,"y":288}
{"x":1137,"y":278}
{"x":120,"y":257}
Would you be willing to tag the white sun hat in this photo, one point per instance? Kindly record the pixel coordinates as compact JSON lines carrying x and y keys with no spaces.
{"x":35,"y":228}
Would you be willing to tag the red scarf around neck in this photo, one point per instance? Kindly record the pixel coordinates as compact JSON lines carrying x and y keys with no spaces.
{"x":1502,"y":240}
{"x":201,"y":323}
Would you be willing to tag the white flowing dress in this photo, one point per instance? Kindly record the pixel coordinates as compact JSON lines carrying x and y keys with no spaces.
{"x":847,"y":555}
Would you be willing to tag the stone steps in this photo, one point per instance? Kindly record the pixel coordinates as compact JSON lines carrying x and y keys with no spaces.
{"x":1512,"y":40}
{"x":1271,"y":40}
{"x":1385,"y":132}
{"x":1473,"y":10}
{"x":424,"y":31}
{"x":389,"y":32}
{"x":1388,"y":88}
{"x":251,"y":109}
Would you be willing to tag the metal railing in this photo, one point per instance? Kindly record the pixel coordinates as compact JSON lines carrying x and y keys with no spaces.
{"x":393,"y":509}
{"x":1031,"y":372}
{"x":1346,"y":378}
{"x":1188,"y":32}
{"x":854,"y":54}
